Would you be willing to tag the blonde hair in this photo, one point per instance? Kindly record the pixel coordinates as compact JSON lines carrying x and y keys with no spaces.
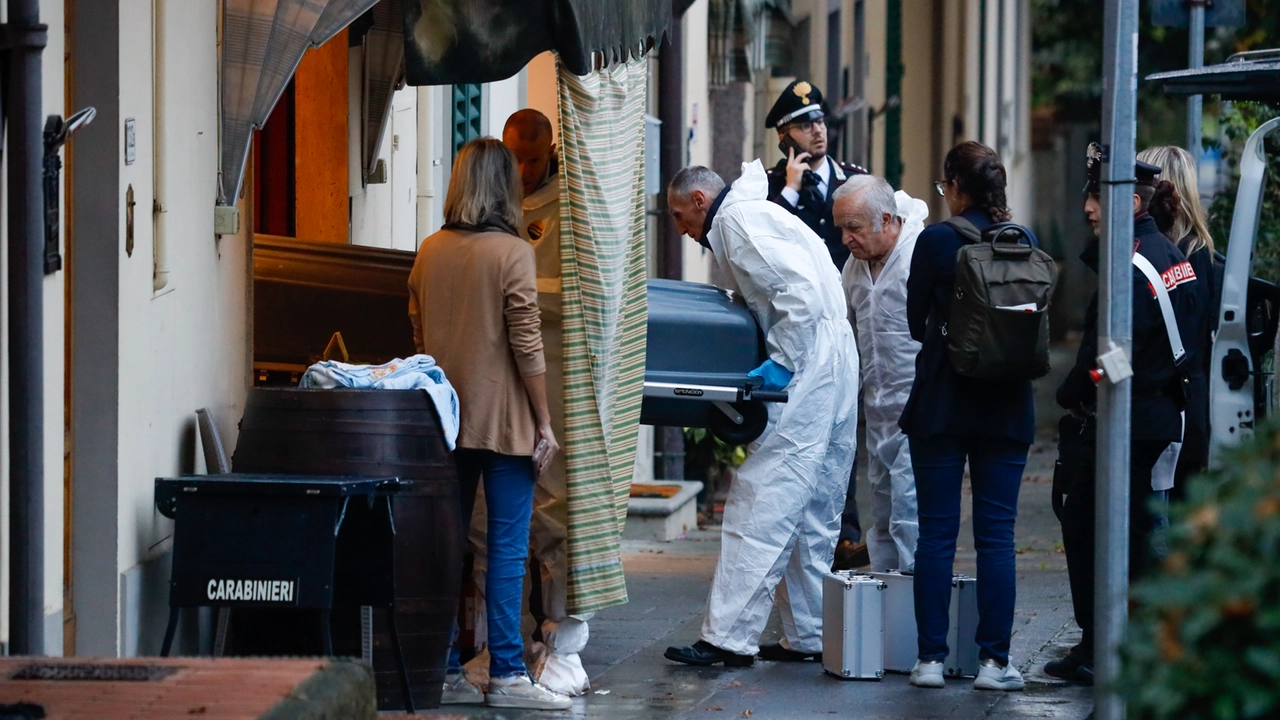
{"x":485,"y":185}
{"x":1178,"y":167}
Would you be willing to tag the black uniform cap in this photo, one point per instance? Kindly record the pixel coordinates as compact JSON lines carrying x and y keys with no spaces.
{"x":800,"y":101}
{"x":1143,"y":173}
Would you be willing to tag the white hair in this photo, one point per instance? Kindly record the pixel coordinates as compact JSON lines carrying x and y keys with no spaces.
{"x":877,"y":198}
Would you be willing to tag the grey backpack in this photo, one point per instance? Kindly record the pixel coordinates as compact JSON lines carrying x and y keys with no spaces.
{"x":999,"y":324}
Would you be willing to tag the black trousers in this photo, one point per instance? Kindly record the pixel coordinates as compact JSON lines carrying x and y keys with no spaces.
{"x":1078,"y":513}
{"x":850,"y":527}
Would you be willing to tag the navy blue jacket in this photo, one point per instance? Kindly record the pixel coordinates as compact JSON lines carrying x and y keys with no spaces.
{"x":818,"y":219}
{"x":1195,"y":441}
{"x":943,"y":401}
{"x":1158,"y":389}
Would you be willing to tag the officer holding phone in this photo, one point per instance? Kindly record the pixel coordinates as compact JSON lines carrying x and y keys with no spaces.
{"x":805,"y":179}
{"x":803,"y":182}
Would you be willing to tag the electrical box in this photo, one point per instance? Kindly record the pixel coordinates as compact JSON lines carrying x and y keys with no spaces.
{"x":226,"y":220}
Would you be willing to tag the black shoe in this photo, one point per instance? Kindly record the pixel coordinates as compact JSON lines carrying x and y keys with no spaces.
{"x":705,"y":654}
{"x":777,"y":653}
{"x":1070,"y":668}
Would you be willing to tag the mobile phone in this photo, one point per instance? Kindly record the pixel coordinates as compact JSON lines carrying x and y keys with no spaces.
{"x":541,"y":454}
{"x":788,"y":143}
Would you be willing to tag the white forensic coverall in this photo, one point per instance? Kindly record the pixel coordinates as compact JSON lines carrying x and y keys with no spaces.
{"x":554,"y":662}
{"x":782,"y":516}
{"x":878,"y":312}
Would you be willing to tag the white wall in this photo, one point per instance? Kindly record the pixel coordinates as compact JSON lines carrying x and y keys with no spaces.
{"x":185,"y":347}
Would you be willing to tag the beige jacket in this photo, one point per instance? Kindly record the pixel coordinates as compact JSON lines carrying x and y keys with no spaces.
{"x":473,"y":302}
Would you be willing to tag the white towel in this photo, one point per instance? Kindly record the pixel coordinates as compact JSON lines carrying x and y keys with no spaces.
{"x":418,"y":372}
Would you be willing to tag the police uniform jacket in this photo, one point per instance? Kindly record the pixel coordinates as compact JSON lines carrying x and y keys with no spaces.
{"x":817,"y":218}
{"x":1195,"y":439}
{"x":1159,"y":391}
{"x":942,"y":400}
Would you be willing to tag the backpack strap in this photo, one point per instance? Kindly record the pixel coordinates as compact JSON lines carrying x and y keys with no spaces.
{"x":1166,"y":305}
{"x":967,"y":230}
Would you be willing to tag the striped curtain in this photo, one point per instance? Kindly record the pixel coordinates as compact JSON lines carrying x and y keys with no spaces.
{"x":602,"y":247}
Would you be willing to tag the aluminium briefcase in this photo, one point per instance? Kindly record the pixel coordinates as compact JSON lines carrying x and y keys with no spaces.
{"x":853,"y":626}
{"x":961,"y":635}
{"x":901,"y":642}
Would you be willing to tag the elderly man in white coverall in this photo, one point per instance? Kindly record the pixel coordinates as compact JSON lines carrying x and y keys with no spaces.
{"x":880,"y":227}
{"x":782,"y":517}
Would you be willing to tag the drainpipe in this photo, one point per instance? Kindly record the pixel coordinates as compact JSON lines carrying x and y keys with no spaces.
{"x":25,"y":40}
{"x":669,"y":441}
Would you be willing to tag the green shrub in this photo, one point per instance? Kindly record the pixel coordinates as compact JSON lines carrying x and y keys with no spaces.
{"x":1204,"y":638}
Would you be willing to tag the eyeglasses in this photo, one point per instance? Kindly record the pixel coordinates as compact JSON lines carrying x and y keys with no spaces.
{"x":941,"y":186}
{"x":806,"y":126}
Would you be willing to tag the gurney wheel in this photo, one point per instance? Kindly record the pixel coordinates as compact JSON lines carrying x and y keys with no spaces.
{"x":755,"y":416}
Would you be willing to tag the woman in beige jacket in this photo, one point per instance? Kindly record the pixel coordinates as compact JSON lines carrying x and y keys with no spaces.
{"x":473,"y":302}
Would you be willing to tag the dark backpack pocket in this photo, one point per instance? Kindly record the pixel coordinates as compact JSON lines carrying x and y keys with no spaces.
{"x":994,"y":344}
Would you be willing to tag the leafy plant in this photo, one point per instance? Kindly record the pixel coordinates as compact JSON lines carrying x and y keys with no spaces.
{"x":1238,"y":122}
{"x":702,"y":449}
{"x":1204,"y":641}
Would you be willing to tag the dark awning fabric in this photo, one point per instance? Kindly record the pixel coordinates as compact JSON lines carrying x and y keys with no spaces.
{"x":474,"y":41}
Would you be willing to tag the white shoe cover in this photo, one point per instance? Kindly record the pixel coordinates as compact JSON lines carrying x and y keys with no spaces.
{"x":562,"y":673}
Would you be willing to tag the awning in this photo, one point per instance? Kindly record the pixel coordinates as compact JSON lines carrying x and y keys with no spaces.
{"x":262,"y":43}
{"x":476,"y":41}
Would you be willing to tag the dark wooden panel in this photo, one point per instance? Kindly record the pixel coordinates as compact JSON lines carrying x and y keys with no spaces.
{"x":306,"y":291}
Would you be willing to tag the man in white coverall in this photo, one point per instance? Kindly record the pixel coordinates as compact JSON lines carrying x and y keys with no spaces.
{"x":880,"y":230}
{"x":782,"y":516}
{"x":554,"y":662}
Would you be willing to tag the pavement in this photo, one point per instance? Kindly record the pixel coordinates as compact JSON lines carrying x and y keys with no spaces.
{"x":668,"y":584}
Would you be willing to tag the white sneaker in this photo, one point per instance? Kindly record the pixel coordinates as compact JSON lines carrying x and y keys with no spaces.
{"x":518,"y":691}
{"x":927,"y":674}
{"x":458,"y":690}
{"x":993,"y":676}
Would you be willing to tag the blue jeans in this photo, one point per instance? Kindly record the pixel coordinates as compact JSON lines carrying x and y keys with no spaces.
{"x":508,"y":494}
{"x":995,"y":469}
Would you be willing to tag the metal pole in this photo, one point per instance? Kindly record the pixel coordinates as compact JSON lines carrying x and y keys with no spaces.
{"x":1195,"y":60}
{"x":27,"y":39}
{"x":1115,"y":329}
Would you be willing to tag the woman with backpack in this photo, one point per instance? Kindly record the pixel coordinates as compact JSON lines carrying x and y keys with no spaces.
{"x":950,"y":419}
{"x":1184,"y":222}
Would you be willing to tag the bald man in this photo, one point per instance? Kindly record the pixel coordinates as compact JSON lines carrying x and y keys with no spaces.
{"x":555,"y":663}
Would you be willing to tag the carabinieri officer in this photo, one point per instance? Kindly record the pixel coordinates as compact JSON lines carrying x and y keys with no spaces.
{"x":805,"y":178}
{"x":1158,"y":400}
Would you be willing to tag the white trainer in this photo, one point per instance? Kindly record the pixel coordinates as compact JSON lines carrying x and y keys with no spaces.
{"x":518,"y":691}
{"x":994,"y":676}
{"x":458,"y":690}
{"x":927,"y":674}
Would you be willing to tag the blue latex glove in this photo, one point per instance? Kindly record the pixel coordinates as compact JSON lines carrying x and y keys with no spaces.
{"x":776,"y":377}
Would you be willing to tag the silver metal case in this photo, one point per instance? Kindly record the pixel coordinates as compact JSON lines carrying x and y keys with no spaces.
{"x":901,"y":642}
{"x":963,"y":660}
{"x":853,"y":626}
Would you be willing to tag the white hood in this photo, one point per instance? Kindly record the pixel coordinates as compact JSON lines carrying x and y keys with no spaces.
{"x":752,"y":185}
{"x":913,"y":213}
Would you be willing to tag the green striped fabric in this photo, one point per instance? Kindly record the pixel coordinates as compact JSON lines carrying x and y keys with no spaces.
{"x":602,"y":248}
